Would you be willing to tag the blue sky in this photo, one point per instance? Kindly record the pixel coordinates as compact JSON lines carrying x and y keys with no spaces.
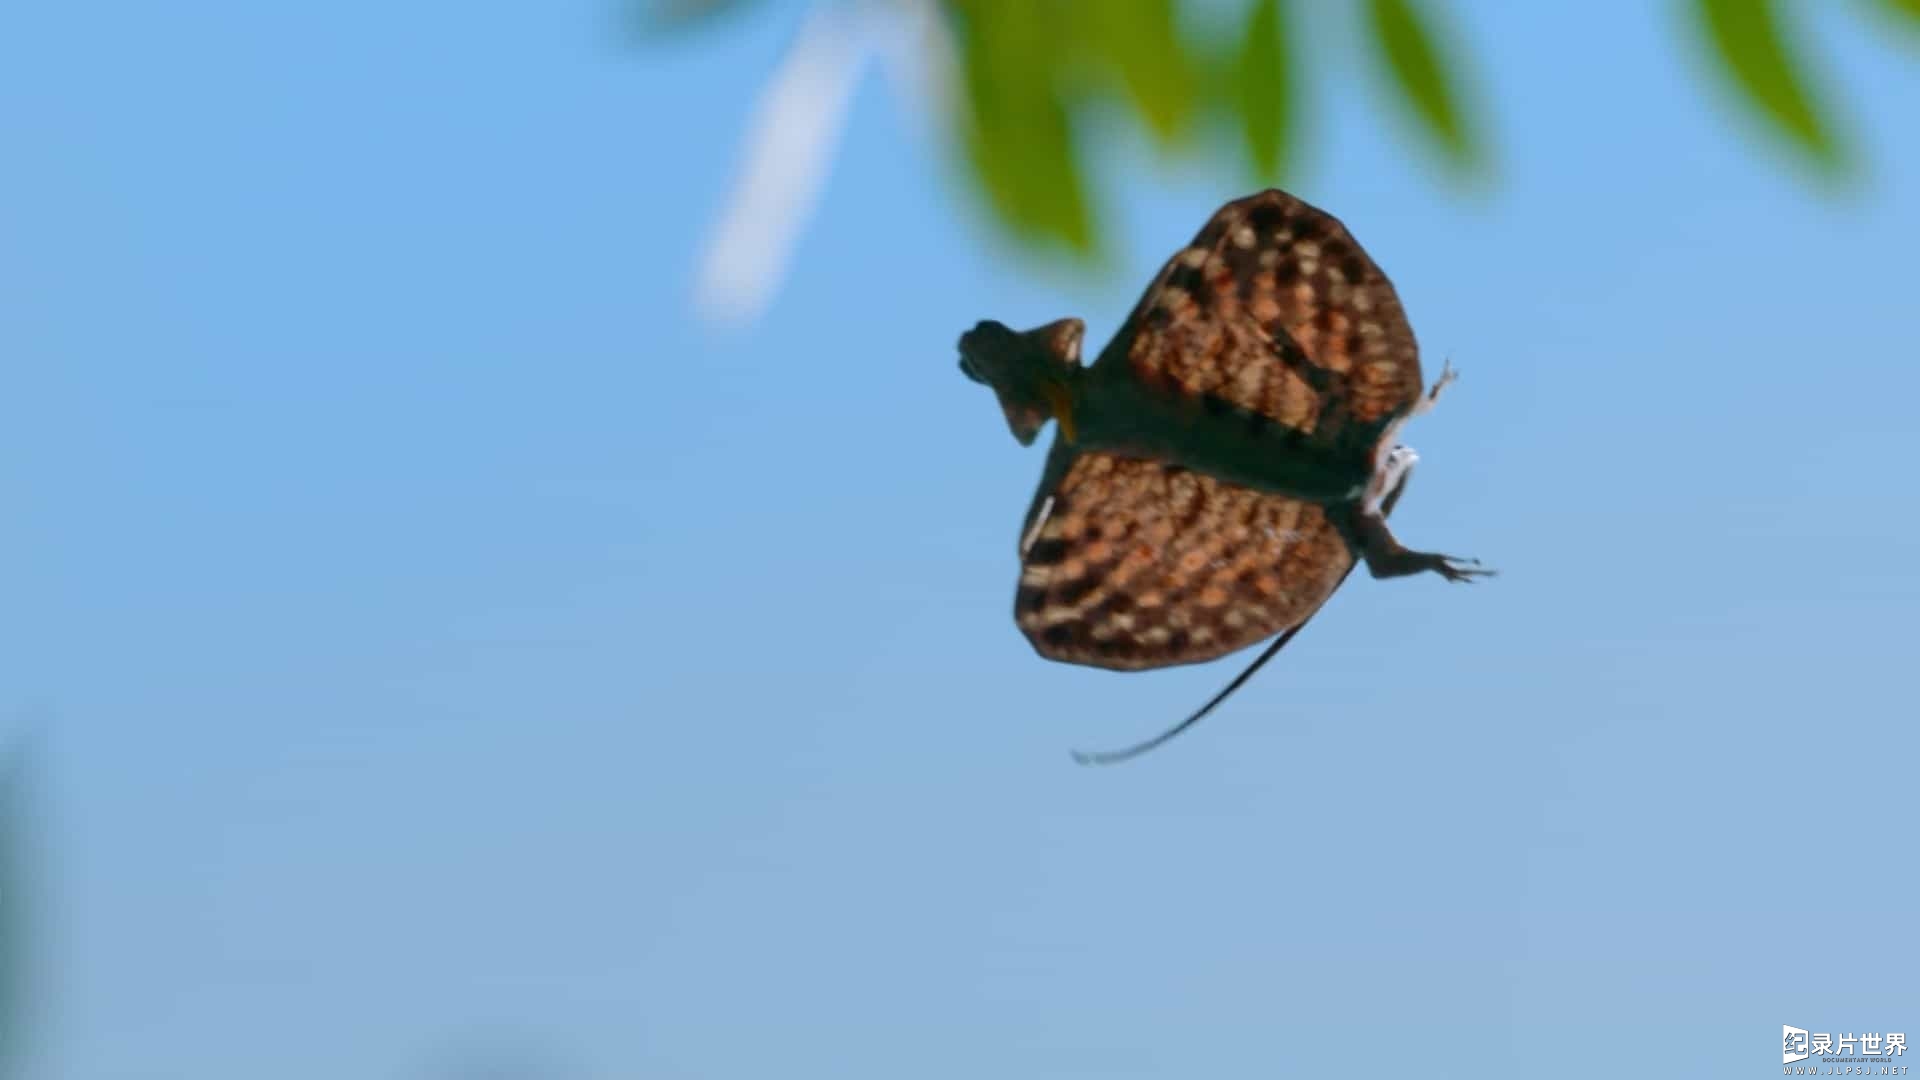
{"x":447,"y":648}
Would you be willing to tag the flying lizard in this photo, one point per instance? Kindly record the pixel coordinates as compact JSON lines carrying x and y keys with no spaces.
{"x":1226,"y":461}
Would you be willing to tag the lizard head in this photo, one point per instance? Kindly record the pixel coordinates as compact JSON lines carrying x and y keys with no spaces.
{"x":1032,"y":372}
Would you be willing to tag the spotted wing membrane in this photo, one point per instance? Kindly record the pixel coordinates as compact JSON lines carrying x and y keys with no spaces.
{"x":1136,"y":564}
{"x":1132,"y":564}
{"x":1275,"y":308}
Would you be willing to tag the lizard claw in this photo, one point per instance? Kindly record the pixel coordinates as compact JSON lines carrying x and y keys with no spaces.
{"x":1457,"y":569}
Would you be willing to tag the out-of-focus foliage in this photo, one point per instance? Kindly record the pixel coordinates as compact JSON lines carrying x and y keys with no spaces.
{"x":1755,"y":51}
{"x":1136,"y":44}
{"x":1027,"y":75}
{"x":1263,"y":90}
{"x":1030,"y":73}
{"x":1018,"y":123}
{"x":1422,"y":74}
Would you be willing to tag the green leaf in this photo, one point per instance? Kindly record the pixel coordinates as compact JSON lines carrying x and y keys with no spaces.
{"x":1264,"y":91}
{"x":1748,"y":43}
{"x":1139,"y":42}
{"x":1017,"y":129}
{"x":1424,"y":77}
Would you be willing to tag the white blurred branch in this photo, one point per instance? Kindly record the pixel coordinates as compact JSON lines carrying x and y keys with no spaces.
{"x":787,"y":151}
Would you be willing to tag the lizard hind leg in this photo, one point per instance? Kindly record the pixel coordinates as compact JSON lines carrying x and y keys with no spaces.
{"x":1454,"y":568}
{"x":1386,"y":557}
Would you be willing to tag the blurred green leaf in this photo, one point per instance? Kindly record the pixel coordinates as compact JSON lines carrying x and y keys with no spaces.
{"x":1424,"y":77}
{"x":1264,"y":90}
{"x":1029,"y":72}
{"x":1747,"y":40}
{"x":1018,"y":132}
{"x":1139,"y":41}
